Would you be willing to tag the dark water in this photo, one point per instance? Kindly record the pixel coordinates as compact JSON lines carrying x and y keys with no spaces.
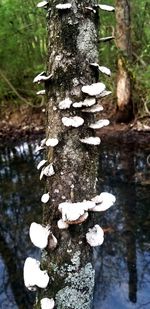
{"x":122,"y":264}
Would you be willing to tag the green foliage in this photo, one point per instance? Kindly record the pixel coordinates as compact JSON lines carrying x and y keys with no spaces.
{"x":22,"y":45}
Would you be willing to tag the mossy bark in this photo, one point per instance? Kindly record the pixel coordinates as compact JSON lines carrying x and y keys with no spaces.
{"x":124,"y":78}
{"x":72,"y":46}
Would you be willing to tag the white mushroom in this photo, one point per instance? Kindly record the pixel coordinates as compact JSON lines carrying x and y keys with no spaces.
{"x":41,"y":92}
{"x":49,"y":170}
{"x":103,"y":201}
{"x":62,"y":225}
{"x":47,"y":303}
{"x":105,"y":7}
{"x":65,"y":104}
{"x":42,"y":77}
{"x":89,"y":8}
{"x":52,"y":142}
{"x":72,"y":121}
{"x":101,"y":68}
{"x":41,"y":163}
{"x":100,"y":124}
{"x":104,"y":94}
{"x":94,"y":89}
{"x":75,"y":213}
{"x":91,"y":140}
{"x":95,"y":236}
{"x":64,"y":6}
{"x":86,"y":103}
{"x":52,"y":241}
{"x":45,"y":198}
{"x":93,"y":109}
{"x":39,"y":235}
{"x":33,"y":275}
{"x":42,"y":4}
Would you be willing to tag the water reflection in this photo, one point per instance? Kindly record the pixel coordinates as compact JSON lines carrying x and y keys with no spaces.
{"x":19,"y":202}
{"x":122,"y":263}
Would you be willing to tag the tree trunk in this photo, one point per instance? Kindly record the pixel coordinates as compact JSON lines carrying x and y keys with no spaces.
{"x":72,"y":46}
{"x":123,"y":42}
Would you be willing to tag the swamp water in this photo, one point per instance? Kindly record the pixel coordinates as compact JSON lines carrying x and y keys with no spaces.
{"x":122,"y":263}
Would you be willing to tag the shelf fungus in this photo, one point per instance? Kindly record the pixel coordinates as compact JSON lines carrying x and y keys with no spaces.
{"x":65,"y":104}
{"x":91,"y":140}
{"x":100,"y":124}
{"x":62,"y":225}
{"x":103,"y":201}
{"x":45,"y":198}
{"x":104,"y":94}
{"x":52,"y":142}
{"x":47,"y":171}
{"x":41,"y":163}
{"x":33,"y":276}
{"x":95,"y":236}
{"x":107,"y":38}
{"x":89,"y":8}
{"x":72,"y":121}
{"x":93,"y":109}
{"x":105,"y":7}
{"x":41,"y":92}
{"x":63,"y":6}
{"x":42,"y":4}
{"x":85,"y":103}
{"x":94,"y":89}
{"x":75,"y":213}
{"x":102,"y":69}
{"x":47,"y":303}
{"x":39,"y":235}
{"x":42,"y":77}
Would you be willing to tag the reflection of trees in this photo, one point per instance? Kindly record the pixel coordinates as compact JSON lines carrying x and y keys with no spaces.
{"x":116,"y":261}
{"x":19,"y":205}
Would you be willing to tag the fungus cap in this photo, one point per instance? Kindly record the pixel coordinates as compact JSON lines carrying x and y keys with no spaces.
{"x":33,"y":275}
{"x":95,"y":236}
{"x":39,"y":235}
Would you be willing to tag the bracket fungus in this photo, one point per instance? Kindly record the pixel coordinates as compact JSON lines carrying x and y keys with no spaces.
{"x":41,"y":163}
{"x":33,"y":275}
{"x":91,"y":140}
{"x":45,"y":198}
{"x":105,"y":7}
{"x":65,"y":104}
{"x":89,"y":8}
{"x":52,"y":142}
{"x":94,"y":89}
{"x":86,"y":103}
{"x":47,"y":303}
{"x":47,"y":171}
{"x":104,"y":94}
{"x":103,"y":201}
{"x":39,"y":235}
{"x":75,"y":213}
{"x":99,"y":124}
{"x":72,"y":121}
{"x":62,"y":225}
{"x":42,"y":4}
{"x":107,"y":38}
{"x":41,"y":92}
{"x":41,"y":77}
{"x":93,"y":109}
{"x":102,"y":69}
{"x":63,"y":6}
{"x":95,"y":236}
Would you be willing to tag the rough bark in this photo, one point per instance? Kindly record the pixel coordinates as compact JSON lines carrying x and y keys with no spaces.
{"x":72,"y":46}
{"x":124,"y":80}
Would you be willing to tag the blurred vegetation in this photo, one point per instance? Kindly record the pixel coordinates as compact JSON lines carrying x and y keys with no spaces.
{"x":23,"y":49}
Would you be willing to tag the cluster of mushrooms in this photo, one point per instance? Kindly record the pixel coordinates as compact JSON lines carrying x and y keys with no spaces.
{"x":71,"y":213}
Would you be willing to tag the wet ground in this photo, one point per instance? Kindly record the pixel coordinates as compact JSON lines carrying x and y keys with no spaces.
{"x":122,"y":263}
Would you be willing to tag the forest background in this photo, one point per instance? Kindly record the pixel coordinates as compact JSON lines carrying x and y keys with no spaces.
{"x":23,"y":41}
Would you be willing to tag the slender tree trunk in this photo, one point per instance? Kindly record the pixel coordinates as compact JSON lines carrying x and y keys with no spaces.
{"x":72,"y":46}
{"x":123,"y":42}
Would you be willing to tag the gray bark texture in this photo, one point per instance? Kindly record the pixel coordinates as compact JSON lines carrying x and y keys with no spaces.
{"x":72,"y":46}
{"x":123,"y":42}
